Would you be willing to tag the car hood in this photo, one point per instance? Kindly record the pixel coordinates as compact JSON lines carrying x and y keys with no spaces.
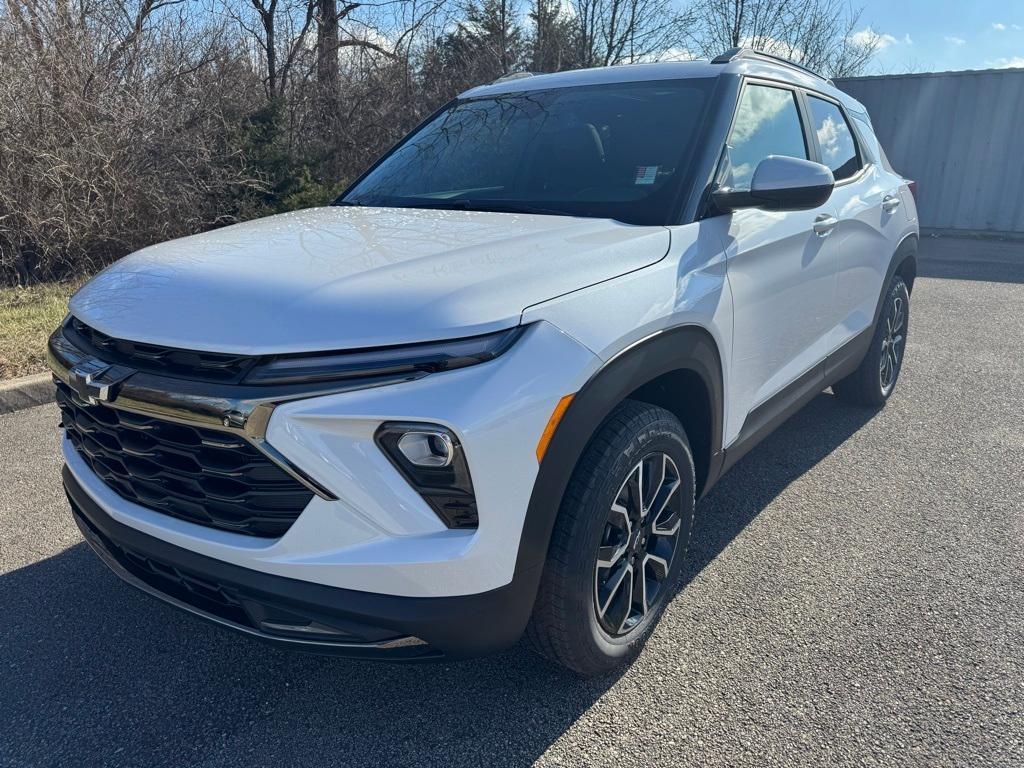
{"x":348,"y":277}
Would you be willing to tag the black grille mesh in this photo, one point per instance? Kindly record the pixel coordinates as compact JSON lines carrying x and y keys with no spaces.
{"x":166,"y":361}
{"x":201,"y":475}
{"x":171,"y":580}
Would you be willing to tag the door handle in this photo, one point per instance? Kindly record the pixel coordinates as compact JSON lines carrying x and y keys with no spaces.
{"x":824,"y":224}
{"x":890,"y":203}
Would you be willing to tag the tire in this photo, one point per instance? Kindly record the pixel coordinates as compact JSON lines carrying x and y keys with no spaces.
{"x":875,"y":379}
{"x":599,"y":516}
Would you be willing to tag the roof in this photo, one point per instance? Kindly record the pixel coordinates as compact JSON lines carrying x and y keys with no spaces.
{"x":625,"y":73}
{"x":665,"y":70}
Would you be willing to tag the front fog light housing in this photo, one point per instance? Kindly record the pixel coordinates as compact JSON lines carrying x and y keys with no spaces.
{"x":431,"y":459}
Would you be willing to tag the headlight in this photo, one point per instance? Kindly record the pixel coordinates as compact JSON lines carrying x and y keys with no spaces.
{"x":411,"y":359}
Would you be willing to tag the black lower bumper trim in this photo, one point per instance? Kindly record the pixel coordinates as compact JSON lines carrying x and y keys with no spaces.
{"x":302,"y":614}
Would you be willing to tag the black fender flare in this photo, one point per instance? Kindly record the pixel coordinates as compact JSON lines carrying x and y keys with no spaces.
{"x":686,"y":347}
{"x":904,"y":261}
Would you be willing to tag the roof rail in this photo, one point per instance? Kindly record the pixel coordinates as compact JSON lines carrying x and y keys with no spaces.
{"x":511,"y":76}
{"x":749,"y":53}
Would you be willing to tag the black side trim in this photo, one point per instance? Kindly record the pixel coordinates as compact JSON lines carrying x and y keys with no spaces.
{"x":848,"y":357}
{"x":767,"y":417}
{"x":771,"y":414}
{"x":453,"y":627}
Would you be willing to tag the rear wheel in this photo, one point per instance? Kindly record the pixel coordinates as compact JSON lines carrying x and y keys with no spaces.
{"x":619,"y":543}
{"x":875,"y":379}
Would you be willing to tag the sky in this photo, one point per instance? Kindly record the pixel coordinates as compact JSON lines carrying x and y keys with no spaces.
{"x":941,"y":35}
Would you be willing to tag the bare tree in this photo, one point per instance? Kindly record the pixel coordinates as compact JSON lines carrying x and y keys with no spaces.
{"x":551,"y":46}
{"x":485,"y":43}
{"x":280,"y":36}
{"x":816,"y":33}
{"x":609,"y":32}
{"x":112,"y":133}
{"x":333,"y":35}
{"x":124,"y":122}
{"x":723,"y":24}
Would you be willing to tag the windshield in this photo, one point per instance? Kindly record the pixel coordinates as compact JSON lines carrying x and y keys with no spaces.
{"x":608,"y":151}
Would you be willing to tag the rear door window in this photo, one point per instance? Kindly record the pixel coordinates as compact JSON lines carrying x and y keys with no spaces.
{"x":835,"y":139}
{"x":767,"y":123}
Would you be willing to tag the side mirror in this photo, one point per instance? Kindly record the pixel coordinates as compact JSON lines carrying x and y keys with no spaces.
{"x":780,"y":184}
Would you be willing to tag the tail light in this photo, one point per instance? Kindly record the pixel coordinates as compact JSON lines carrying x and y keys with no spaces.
{"x":912,"y":185}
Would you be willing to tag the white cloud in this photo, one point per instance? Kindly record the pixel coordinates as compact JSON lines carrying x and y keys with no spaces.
{"x":880,"y":40}
{"x":998,"y":26}
{"x":832,"y":138}
{"x":1017,"y":26}
{"x":759,"y":106}
{"x":867,"y":36}
{"x":954,"y":40}
{"x":1013,"y":62}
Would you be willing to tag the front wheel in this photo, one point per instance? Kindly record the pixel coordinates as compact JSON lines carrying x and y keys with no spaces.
{"x":875,"y":379}
{"x":619,"y":542}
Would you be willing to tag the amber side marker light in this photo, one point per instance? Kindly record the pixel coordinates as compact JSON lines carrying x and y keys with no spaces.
{"x":549,"y":430}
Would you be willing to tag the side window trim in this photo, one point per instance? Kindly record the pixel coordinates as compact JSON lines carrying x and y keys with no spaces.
{"x":807,"y":123}
{"x":864,"y":161}
{"x":720,"y":165}
{"x":868,"y":154}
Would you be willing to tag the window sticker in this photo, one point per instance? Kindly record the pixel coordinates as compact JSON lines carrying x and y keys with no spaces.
{"x":646,"y":174}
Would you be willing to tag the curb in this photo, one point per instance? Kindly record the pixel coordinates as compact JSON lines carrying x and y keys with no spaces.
{"x":26,"y":392}
{"x":972,"y":234}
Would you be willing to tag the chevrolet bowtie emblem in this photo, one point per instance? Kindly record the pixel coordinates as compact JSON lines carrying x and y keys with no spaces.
{"x":96,"y":381}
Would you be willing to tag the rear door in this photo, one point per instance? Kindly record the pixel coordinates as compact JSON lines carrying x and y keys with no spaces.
{"x":870,"y":212}
{"x":782,"y":271}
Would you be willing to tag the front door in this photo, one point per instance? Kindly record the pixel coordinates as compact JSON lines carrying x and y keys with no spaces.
{"x":782,"y":265}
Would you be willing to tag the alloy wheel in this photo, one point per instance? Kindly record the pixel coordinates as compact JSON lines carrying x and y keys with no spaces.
{"x":638,"y":544}
{"x":892,"y":344}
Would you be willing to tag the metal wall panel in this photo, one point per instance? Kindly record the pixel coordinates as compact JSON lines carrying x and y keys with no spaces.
{"x":960,"y":135}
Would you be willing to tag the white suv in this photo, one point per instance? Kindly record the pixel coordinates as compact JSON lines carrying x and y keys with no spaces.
{"x":479,"y":396}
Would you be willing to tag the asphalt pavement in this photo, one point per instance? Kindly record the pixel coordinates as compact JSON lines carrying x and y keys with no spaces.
{"x":855,"y":596}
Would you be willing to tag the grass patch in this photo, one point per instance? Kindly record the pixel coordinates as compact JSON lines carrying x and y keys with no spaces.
{"x":27,"y":318}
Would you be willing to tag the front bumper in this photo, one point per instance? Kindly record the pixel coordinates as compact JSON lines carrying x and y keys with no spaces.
{"x":371,"y":532}
{"x":300,"y":614}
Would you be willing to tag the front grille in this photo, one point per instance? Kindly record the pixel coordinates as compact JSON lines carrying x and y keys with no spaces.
{"x":267,"y":613}
{"x":170,"y":580}
{"x":164,"y":361}
{"x":200,"y":475}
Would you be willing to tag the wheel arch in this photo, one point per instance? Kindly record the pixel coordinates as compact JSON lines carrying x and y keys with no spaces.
{"x":666,"y":369}
{"x":684,"y":394}
{"x":902,"y":263}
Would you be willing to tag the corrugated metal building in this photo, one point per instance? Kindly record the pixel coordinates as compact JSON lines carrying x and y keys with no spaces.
{"x":960,"y":135}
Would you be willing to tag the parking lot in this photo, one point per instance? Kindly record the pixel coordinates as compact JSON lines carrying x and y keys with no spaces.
{"x":855,"y":595}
